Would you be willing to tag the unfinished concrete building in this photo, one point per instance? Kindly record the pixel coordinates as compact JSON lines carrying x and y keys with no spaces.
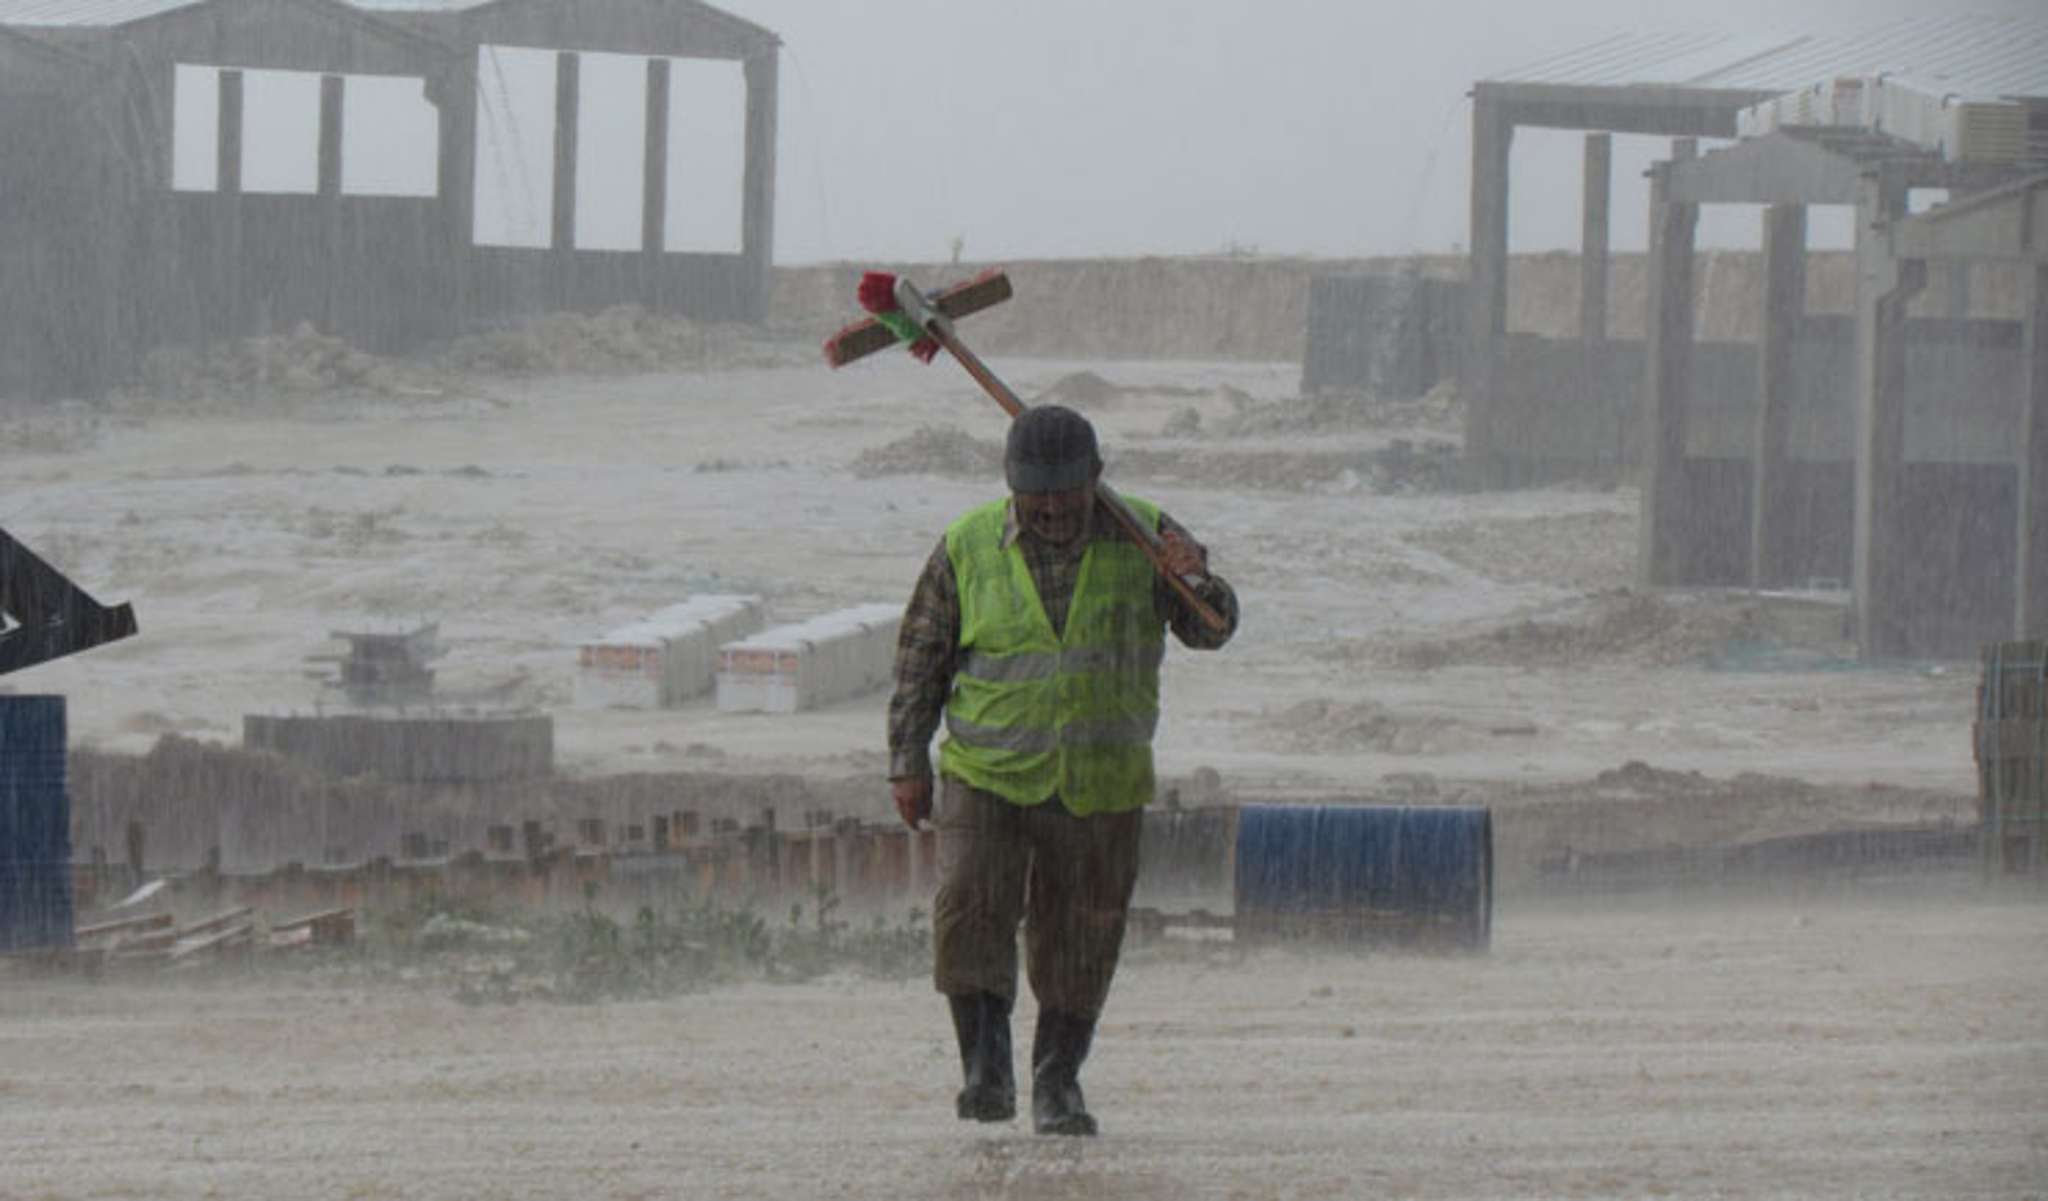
{"x":1872,"y":454}
{"x":192,"y":171}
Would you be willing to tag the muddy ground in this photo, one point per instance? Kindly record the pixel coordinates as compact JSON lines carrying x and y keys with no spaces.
{"x":1877,"y":1047}
{"x":1404,"y":639}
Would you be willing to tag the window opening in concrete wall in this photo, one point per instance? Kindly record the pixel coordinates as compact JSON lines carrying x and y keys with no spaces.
{"x":611,"y":151}
{"x":390,"y":137}
{"x":195,"y":128}
{"x":515,"y":147}
{"x":281,"y":132}
{"x":707,"y":155}
{"x":1919,"y":200}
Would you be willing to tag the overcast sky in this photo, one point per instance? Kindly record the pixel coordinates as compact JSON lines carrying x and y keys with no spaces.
{"x":1055,"y":128}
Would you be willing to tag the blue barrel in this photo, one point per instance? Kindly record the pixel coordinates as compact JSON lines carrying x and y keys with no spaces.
{"x":35,"y":826}
{"x":1395,"y":873}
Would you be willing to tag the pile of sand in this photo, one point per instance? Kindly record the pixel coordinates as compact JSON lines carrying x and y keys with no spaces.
{"x":1082,"y":390}
{"x":1618,"y":626}
{"x":932,"y":450}
{"x":1400,"y":467}
{"x":1584,"y":551}
{"x":1326,"y":412}
{"x":1639,"y":807}
{"x":1322,"y":726}
{"x":622,"y":339}
{"x":303,"y":363}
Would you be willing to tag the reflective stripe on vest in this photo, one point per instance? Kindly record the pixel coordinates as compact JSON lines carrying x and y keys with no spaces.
{"x":1033,"y":714}
{"x":1125,"y":731}
{"x":1004,"y":669}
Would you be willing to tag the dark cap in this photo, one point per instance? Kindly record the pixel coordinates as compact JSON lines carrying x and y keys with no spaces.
{"x":1051,"y":449}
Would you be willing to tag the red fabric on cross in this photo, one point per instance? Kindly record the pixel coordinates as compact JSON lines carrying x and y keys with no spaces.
{"x":878,"y":292}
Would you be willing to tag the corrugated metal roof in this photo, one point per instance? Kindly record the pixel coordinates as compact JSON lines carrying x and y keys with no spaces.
{"x":84,"y":14}
{"x":437,"y":7}
{"x":105,"y":14}
{"x":420,"y":6}
{"x":1973,"y":55}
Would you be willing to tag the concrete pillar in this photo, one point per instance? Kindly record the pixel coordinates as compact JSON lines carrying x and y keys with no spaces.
{"x":454,"y":93}
{"x":568,"y":104}
{"x":654,"y":165}
{"x":2030,"y":562}
{"x":1883,"y":286}
{"x":1784,"y":308}
{"x":1597,"y":187}
{"x":228,"y":135}
{"x":1667,"y":384}
{"x":757,"y":215}
{"x":331,"y":90}
{"x":339,"y":273}
{"x":1956,"y":290}
{"x":224,"y":315}
{"x":1492,"y":135}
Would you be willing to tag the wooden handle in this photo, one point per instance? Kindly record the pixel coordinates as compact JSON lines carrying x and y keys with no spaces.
{"x":1147,"y":540}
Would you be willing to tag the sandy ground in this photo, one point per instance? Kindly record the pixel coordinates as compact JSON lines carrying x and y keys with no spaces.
{"x":1868,"y":1045}
{"x":536,"y":514}
{"x":1889,"y":1047}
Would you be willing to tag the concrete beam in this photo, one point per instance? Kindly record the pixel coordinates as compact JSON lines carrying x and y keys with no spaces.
{"x":1884,"y":285}
{"x":1784,"y":269}
{"x":1667,"y":385}
{"x":2030,"y":563}
{"x":1647,"y":108}
{"x":1773,"y":169}
{"x":1596,"y":191}
{"x":2002,"y":224}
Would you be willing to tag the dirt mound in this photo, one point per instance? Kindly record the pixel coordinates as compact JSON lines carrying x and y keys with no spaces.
{"x":623,"y":338}
{"x":1326,"y":412}
{"x":1320,"y":725}
{"x":1081,"y":390}
{"x":1587,"y":551}
{"x":1402,"y":467}
{"x":1640,"y":807}
{"x":302,"y":363}
{"x":1619,"y":626}
{"x":932,"y":450}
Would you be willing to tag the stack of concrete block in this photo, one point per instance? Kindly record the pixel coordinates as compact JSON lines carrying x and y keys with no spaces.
{"x":811,"y":663}
{"x":665,"y":658}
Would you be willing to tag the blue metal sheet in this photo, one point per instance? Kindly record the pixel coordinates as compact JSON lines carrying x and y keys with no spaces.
{"x":1423,"y":862}
{"x":35,"y":825}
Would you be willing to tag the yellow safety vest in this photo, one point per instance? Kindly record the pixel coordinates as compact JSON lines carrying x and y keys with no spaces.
{"x":1033,"y":713}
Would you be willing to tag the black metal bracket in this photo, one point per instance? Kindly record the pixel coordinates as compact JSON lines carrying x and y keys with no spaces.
{"x":51,"y":616}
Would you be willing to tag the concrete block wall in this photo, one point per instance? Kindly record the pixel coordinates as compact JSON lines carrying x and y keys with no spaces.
{"x":665,"y":658}
{"x":802,"y":666}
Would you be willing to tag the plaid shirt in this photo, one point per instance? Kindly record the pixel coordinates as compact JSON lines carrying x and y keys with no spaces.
{"x":928,"y":649}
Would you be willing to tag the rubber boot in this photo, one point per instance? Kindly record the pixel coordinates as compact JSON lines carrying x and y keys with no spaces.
{"x":981,"y":1021}
{"x":1057,"y":1049}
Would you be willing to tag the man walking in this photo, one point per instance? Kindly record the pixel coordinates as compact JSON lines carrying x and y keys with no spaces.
{"x":1038,"y":628}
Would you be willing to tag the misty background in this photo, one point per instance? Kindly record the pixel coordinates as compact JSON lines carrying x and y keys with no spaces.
{"x":1073,"y":128}
{"x":1061,"y":129}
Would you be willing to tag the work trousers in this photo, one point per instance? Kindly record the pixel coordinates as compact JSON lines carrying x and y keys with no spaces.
{"x":1067,"y":879}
